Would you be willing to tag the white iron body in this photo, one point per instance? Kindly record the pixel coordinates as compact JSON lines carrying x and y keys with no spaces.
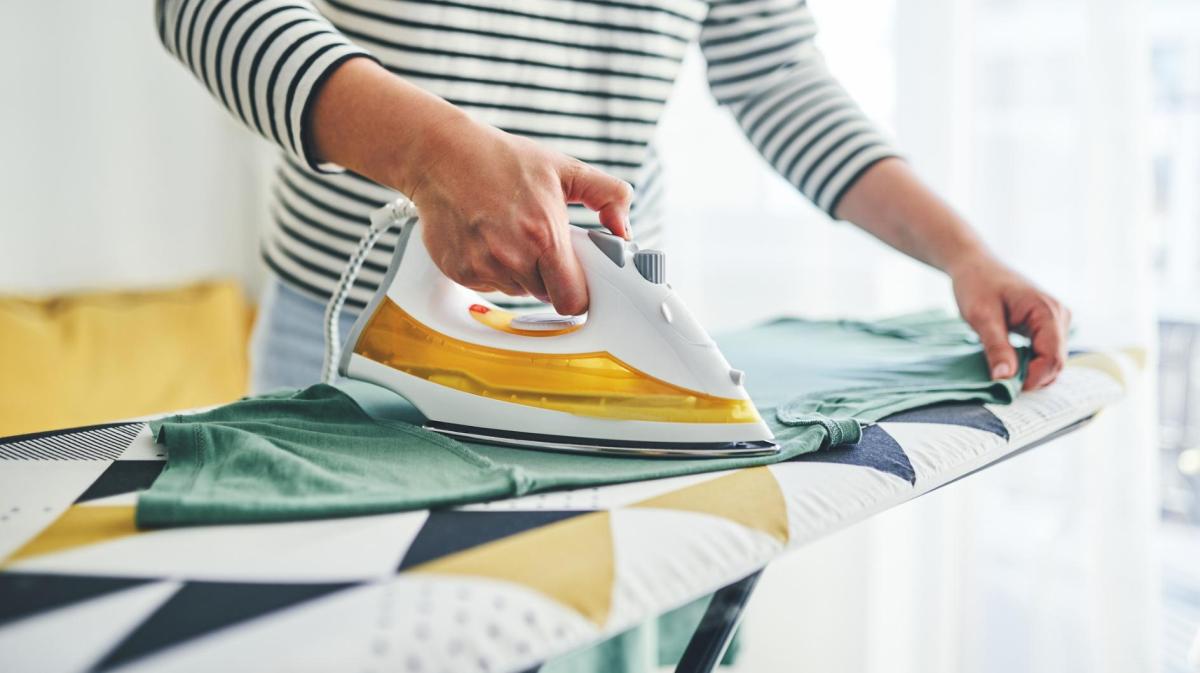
{"x":641,"y":323}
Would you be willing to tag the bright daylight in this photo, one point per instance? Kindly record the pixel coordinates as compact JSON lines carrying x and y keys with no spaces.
{"x":600,"y":336}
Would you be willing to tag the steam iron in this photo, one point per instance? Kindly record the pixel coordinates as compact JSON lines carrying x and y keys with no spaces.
{"x":637,"y":376}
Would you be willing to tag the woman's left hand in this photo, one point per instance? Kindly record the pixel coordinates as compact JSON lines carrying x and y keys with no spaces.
{"x":892,"y":204}
{"x":995,"y":300}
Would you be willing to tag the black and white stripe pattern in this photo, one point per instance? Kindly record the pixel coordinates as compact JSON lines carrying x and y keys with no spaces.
{"x":100,"y":442}
{"x":263,"y":59}
{"x":762,"y":63}
{"x":589,"y":78}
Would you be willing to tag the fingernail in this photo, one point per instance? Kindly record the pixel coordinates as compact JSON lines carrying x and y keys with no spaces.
{"x":1001,"y":371}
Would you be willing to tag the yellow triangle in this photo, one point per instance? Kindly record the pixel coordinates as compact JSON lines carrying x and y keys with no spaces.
{"x":749,"y":497}
{"x":570,"y":561}
{"x":1100,"y":362}
{"x":79,"y":526}
{"x":1137,"y":354}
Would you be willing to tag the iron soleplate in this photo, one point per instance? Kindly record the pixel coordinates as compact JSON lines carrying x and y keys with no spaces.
{"x":610,"y":447}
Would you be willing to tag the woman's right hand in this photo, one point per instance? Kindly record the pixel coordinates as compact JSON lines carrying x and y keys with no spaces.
{"x":493,"y":205}
{"x":494,"y":212}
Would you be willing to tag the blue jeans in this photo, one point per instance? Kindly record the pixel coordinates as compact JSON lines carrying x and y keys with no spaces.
{"x":287,"y":347}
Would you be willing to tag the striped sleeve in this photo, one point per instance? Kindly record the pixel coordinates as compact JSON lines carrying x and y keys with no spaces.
{"x":763,"y":65}
{"x":262,"y":59}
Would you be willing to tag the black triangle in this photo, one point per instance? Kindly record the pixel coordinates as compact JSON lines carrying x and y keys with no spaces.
{"x":449,"y":531}
{"x":876,"y":449}
{"x":199,"y":608}
{"x":124,"y":476}
{"x":26,"y":594}
{"x":968,"y":414}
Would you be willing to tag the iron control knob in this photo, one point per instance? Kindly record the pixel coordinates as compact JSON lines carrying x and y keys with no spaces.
{"x":652,"y":264}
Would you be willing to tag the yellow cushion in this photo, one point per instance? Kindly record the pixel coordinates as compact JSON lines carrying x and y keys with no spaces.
{"x":92,"y":358}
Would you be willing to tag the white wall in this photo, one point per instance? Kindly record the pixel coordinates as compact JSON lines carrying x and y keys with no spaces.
{"x":118,"y":171}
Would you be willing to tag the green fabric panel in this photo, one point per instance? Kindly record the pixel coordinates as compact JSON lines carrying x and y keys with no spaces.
{"x":643,"y":648}
{"x":675,"y":629}
{"x":305,"y":454}
{"x":793,"y":359}
{"x":916,"y":384}
{"x":928,"y":327}
{"x":632,"y":651}
{"x":316,"y":453}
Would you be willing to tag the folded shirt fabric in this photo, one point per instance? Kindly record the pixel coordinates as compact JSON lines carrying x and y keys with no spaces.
{"x":317,"y":453}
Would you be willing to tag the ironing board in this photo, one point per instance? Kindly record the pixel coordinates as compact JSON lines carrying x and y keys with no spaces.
{"x":495,"y":587}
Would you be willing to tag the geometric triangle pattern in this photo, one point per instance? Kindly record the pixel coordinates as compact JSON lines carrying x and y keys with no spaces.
{"x":448,"y":531}
{"x":550,"y":559}
{"x":1137,"y":355}
{"x":665,"y":553}
{"x":1101,"y":362}
{"x":490,"y":587}
{"x":350,"y":549}
{"x":74,"y":637}
{"x":199,"y":608}
{"x":79,"y":526}
{"x":27,"y":594}
{"x":95,"y":442}
{"x":124,"y":476}
{"x":749,"y":497}
{"x":969,"y":414}
{"x":876,"y":449}
{"x":937,"y":450}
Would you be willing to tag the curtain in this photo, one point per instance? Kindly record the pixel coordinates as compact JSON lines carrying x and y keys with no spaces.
{"x":1028,"y":116}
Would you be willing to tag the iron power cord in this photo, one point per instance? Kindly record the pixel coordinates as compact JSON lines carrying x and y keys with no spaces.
{"x":398,"y":212}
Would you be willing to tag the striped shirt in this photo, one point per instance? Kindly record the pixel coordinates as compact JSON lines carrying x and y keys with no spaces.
{"x":588,"y":78}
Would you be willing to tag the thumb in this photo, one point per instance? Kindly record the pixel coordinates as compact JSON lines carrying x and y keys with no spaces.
{"x":993,"y":334}
{"x":600,"y":192}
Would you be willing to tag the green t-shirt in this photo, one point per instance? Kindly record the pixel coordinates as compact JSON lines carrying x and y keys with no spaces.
{"x":327,"y":452}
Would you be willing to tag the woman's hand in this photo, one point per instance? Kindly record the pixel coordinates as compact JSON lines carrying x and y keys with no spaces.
{"x":891,"y":203}
{"x":495,"y":216}
{"x":494,"y":205}
{"x":995,"y":300}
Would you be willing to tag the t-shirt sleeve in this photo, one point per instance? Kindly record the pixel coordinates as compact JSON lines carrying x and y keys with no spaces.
{"x":763,"y":65}
{"x":264,"y":60}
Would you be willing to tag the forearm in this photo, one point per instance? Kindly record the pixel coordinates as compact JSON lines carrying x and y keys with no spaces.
{"x":376,"y":124}
{"x":892,"y":204}
{"x":493,"y":204}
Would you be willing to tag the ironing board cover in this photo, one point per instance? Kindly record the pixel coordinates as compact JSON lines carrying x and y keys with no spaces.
{"x":493,"y":587}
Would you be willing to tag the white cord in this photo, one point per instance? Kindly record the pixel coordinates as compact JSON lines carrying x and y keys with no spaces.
{"x":396,"y":212}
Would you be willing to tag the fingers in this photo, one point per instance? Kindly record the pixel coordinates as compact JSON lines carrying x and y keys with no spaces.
{"x":536,"y":259}
{"x":564,"y":279}
{"x":513,"y":236}
{"x":516,"y":263}
{"x":1048,"y":325}
{"x":477,"y":269}
{"x":492,"y":282}
{"x":532,"y":285}
{"x":600,"y":192}
{"x":989,"y":323}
